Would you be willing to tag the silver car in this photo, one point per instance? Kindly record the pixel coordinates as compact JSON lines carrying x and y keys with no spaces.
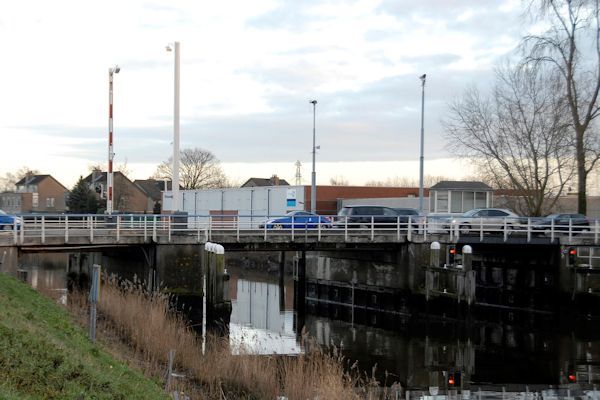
{"x":486,"y":219}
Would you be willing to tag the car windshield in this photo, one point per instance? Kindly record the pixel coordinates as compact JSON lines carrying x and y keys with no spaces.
{"x":470,"y":213}
{"x":296,"y":213}
{"x":3,"y":213}
{"x":552,"y":216}
{"x":345,"y":211}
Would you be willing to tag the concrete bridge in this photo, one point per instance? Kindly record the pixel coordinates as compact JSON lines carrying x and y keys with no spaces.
{"x":78,"y":231}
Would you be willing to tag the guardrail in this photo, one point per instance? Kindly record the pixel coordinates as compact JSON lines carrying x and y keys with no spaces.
{"x":146,"y":227}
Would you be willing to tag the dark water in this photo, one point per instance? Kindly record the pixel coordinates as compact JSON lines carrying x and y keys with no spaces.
{"x":418,"y":350}
{"x":421,"y":350}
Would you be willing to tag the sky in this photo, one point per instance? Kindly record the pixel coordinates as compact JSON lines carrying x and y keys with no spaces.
{"x":248,"y":71}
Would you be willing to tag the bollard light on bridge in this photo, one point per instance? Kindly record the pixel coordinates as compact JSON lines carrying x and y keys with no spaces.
{"x":467,"y":258}
{"x":434,"y":254}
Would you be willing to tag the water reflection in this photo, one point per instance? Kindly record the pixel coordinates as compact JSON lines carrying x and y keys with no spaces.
{"x":261,"y":320}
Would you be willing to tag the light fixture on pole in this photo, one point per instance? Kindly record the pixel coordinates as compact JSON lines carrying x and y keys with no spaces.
{"x":313,"y":188}
{"x":421,"y":159}
{"x":111,"y":154}
{"x":175,"y":180}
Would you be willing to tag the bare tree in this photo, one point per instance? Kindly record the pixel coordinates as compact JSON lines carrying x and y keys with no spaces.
{"x":518,"y":137}
{"x":8,"y":181}
{"x":571,"y":46}
{"x":403,"y":181}
{"x":199,"y":168}
{"x":338,"y":181}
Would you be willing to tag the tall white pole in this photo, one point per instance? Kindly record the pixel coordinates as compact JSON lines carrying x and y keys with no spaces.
{"x":421,"y":159}
{"x":111,"y":154}
{"x":313,"y":189}
{"x":175,"y":182}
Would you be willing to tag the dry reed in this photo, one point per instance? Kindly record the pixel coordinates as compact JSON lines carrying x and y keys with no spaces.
{"x":151,"y":328}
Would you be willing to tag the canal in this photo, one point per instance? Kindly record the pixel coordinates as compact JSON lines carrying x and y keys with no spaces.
{"x":489,"y":347}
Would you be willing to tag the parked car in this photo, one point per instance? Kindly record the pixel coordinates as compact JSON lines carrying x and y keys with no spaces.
{"x":300,"y":220}
{"x":363,"y":216}
{"x":488,"y":219}
{"x":7,"y":221}
{"x":415,"y":217}
{"x":561,"y":222}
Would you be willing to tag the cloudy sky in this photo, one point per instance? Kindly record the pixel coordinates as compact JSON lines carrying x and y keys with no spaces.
{"x":248,"y":71}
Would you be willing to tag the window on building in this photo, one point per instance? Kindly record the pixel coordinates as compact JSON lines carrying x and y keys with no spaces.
{"x":468,"y":201}
{"x":480,"y":200}
{"x":442,"y":201}
{"x":50,"y":202}
{"x":34,"y":200}
{"x":456,"y":202}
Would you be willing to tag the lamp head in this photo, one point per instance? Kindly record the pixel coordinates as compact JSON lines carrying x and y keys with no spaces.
{"x":313,"y":102}
{"x":422,"y":77}
{"x":168,"y":47}
{"x":116,"y":69}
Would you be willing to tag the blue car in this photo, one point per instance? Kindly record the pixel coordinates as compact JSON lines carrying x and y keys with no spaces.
{"x":8,"y":221}
{"x":301,"y":220}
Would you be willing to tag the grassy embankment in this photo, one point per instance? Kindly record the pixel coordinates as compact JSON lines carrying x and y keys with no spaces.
{"x":43,"y":354}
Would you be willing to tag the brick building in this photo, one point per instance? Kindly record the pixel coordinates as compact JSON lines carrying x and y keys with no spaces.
{"x":35,"y":193}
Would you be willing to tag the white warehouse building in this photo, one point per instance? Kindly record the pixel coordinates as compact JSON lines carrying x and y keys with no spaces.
{"x":250,"y":205}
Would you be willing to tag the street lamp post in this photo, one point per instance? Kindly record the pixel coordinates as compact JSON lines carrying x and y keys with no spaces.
{"x":175,"y":181}
{"x":313,"y":189}
{"x":111,"y":154}
{"x":421,"y":159}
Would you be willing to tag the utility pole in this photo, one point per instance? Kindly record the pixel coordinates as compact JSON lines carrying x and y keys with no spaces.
{"x":421,"y":159}
{"x":313,"y":189}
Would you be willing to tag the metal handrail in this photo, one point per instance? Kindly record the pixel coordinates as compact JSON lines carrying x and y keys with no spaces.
{"x":397,"y":228}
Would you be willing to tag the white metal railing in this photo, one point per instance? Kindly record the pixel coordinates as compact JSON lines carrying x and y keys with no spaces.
{"x":118,"y":227}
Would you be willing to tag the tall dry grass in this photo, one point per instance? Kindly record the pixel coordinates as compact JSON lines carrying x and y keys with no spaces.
{"x":152,"y":328}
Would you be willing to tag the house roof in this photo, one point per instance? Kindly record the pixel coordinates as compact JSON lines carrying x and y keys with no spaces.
{"x":461,"y":185}
{"x":36,"y":179}
{"x":265,"y":182}
{"x":32,"y":179}
{"x":153,"y":187}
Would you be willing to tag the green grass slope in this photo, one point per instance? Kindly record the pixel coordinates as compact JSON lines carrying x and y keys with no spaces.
{"x":44,"y":355}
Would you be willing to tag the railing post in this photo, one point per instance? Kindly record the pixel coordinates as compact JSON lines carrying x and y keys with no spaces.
{"x":198,"y":227}
{"x":293,"y":227}
{"x":372,"y":228}
{"x":570,"y":230}
{"x":345,"y":229}
{"x":481,"y":229}
{"x":398,"y":228}
{"x":118,"y":228}
{"x":425,"y":222}
{"x":66,"y":229}
{"x":145,"y":228}
{"x":210,"y":227}
{"x":15,"y":231}
{"x":595,"y":232}
{"x":89,"y":218}
{"x":319,"y":228}
{"x":22,"y":229}
{"x":409,"y":231}
{"x":169,"y":229}
{"x":265,"y":227}
{"x":552,"y":229}
{"x":505,"y":231}
{"x":528,"y":229}
{"x":154,"y":229}
{"x":237,"y":224}
{"x":43,"y":229}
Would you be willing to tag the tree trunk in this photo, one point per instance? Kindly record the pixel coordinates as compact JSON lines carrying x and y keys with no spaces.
{"x":581,"y":173}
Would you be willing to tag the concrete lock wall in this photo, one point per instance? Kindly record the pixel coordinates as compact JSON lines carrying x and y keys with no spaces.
{"x":179,"y":268}
{"x":253,"y":203}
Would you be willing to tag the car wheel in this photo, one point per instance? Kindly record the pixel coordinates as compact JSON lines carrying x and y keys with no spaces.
{"x":464,"y":229}
{"x":277,"y":226}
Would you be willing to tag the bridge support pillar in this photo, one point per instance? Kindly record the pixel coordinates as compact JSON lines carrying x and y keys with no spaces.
{"x":218,"y":303}
{"x":281,"y":280}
